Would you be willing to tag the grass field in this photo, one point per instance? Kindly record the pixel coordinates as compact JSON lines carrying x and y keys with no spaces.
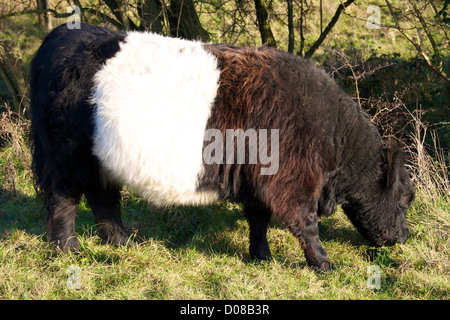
{"x":201,"y":253}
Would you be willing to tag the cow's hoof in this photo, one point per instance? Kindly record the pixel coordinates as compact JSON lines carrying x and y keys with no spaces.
{"x":70,"y":244}
{"x":324,"y":266}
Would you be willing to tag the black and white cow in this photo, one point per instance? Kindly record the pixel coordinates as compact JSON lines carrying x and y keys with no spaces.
{"x":151,"y":112}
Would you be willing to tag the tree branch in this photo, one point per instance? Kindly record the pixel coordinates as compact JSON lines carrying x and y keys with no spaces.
{"x":430,"y":37}
{"x":55,"y":13}
{"x":291,"y":35}
{"x":434,"y":68}
{"x":327,"y":30}
{"x":118,"y":10}
{"x":302,"y":37}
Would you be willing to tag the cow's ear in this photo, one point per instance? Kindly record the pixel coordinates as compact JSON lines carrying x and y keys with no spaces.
{"x":393,"y":159}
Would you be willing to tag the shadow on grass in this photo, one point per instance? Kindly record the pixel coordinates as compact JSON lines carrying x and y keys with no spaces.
{"x":331,"y":230}
{"x":175,"y":227}
{"x":380,"y":256}
{"x":184,"y":227}
{"x":22,"y":212}
{"x":204,"y":228}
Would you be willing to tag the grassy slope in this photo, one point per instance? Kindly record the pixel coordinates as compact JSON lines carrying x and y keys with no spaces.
{"x":201,"y":253}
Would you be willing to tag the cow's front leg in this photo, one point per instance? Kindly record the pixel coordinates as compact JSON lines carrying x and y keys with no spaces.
{"x":306,"y":230}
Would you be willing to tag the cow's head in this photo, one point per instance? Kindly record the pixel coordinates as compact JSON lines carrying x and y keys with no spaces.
{"x":378,"y":209}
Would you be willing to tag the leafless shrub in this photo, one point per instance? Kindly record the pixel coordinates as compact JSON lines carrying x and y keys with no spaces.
{"x":13,"y":77}
{"x":431,"y":173}
{"x":15,"y":155}
{"x":427,"y":161}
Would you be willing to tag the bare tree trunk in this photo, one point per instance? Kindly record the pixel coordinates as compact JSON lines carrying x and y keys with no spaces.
{"x":45,"y":18}
{"x":12,"y":76}
{"x":302,"y":37}
{"x":291,"y":34}
{"x":263,"y":22}
{"x":150,"y":14}
{"x":321,"y":17}
{"x":48,"y":17}
{"x":184,"y":21}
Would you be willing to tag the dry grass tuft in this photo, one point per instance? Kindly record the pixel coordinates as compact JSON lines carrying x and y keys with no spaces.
{"x":15,"y":155}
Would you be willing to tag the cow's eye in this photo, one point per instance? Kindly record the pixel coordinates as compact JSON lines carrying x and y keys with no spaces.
{"x":407,"y":200}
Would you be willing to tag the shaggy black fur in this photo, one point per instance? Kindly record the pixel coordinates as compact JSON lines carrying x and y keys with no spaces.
{"x":61,"y":84}
{"x":330,"y":153}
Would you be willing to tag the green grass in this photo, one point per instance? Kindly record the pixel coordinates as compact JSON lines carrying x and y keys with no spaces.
{"x":201,"y":253}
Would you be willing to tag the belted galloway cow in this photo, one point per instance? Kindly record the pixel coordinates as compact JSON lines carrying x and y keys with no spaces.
{"x":190,"y":123}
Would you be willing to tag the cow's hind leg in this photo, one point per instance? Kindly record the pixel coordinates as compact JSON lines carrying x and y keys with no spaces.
{"x":62,"y":209}
{"x":258,"y":218}
{"x":104,"y":200}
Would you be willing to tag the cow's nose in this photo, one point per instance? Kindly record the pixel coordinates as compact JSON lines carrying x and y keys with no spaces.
{"x":403,"y":236}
